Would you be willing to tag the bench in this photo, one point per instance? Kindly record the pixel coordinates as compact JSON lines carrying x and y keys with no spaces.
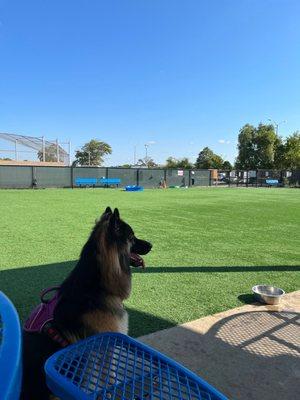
{"x":272,"y":182}
{"x":110,"y":181}
{"x":85,"y":182}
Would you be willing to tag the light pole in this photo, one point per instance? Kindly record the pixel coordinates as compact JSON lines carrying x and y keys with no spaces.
{"x":134,"y":154}
{"x":276,"y":124}
{"x":146,"y":148}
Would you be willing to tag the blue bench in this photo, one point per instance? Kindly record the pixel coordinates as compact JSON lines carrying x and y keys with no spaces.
{"x":272,"y":182}
{"x":110,"y":181}
{"x":85,"y":182}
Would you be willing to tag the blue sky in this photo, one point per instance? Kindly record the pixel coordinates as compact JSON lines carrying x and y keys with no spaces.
{"x":182,"y":74}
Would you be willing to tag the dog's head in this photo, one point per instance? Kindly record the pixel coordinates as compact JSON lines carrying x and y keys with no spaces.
{"x":121,"y":236}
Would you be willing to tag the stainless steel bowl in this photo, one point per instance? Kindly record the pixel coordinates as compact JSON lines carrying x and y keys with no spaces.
{"x":267,"y":294}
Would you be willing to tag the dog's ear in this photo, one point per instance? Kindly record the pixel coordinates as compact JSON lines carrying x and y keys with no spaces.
{"x":116,"y":214}
{"x":114,"y":221}
{"x":108,"y":210}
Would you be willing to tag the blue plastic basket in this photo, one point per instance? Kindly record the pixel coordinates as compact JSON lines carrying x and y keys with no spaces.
{"x":134,"y":188}
{"x":10,"y":351}
{"x":115,"y":366}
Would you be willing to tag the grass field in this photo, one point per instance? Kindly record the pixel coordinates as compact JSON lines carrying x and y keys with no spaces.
{"x":210,"y":246}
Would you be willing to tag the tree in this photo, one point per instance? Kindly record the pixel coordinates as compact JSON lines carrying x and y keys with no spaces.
{"x":92,"y":153}
{"x":125,"y":166}
{"x":146,"y":162}
{"x":227,"y":166}
{"x":171,"y":162}
{"x":287,"y":154}
{"x":257,"y":147}
{"x":183,"y":163}
{"x":207,"y":159}
{"x":279,"y":157}
{"x":50,"y":153}
{"x":266,"y":141}
{"x":292,"y":151}
{"x":246,"y":158}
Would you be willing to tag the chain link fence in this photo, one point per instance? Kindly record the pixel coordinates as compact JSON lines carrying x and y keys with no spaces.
{"x":258,"y":178}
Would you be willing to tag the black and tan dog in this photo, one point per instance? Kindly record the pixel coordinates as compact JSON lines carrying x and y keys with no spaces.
{"x":90,"y":300}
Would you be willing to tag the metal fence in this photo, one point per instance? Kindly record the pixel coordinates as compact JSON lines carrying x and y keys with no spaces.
{"x":258,"y":178}
{"x":65,"y":177}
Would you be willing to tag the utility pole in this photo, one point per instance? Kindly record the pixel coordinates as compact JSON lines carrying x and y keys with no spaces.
{"x":69,"y":152}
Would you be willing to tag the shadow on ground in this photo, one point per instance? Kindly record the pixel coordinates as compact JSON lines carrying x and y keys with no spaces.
{"x":245,"y":356}
{"x":23,"y":285}
{"x":253,"y":355}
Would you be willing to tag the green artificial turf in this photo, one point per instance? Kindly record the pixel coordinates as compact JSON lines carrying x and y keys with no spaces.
{"x":210,"y":246}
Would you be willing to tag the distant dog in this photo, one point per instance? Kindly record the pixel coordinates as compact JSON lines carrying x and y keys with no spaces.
{"x":89,"y":301}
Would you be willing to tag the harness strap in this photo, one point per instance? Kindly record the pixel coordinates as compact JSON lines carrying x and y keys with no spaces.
{"x":41,"y":320}
{"x":54,"y":334}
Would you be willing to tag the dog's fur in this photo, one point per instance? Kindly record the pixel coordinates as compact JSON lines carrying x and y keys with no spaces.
{"x":90,"y":299}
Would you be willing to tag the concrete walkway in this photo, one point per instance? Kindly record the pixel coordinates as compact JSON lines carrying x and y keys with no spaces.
{"x":250,"y":352}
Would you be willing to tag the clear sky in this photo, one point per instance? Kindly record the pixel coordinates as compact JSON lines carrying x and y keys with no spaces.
{"x":182,"y":74}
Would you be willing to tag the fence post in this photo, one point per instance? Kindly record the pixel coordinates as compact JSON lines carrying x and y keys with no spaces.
{"x":247,"y":178}
{"x":165,"y":176}
{"x":210,"y":177}
{"x":229,"y":183}
{"x":33,"y":177}
{"x":257,"y":178}
{"x":137,"y":177}
{"x":190,"y":175}
{"x":106,"y":172}
{"x":72,"y":176}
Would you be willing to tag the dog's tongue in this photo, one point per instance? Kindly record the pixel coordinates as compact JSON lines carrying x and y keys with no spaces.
{"x":136,"y":260}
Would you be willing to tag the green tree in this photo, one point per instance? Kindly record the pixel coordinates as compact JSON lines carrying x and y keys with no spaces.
{"x":125,"y":166}
{"x":147,"y":162}
{"x":227,"y":166}
{"x":207,"y":159}
{"x":246,"y":158}
{"x":171,"y":162}
{"x":257,"y":147}
{"x":92,"y":153}
{"x":266,"y":141}
{"x":292,"y":151}
{"x":279,"y":157}
{"x":183,"y":163}
{"x":50,"y":153}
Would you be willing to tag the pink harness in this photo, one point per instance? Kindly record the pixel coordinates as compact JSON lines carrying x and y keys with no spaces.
{"x":41,"y":318}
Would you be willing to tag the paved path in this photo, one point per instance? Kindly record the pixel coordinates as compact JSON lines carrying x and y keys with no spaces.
{"x":250,"y":352}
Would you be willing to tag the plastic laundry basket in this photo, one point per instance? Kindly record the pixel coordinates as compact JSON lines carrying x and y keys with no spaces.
{"x":10,"y":351}
{"x":115,"y":366}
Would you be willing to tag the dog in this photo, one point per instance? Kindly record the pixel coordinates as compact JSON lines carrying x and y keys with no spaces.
{"x":89,"y":300}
